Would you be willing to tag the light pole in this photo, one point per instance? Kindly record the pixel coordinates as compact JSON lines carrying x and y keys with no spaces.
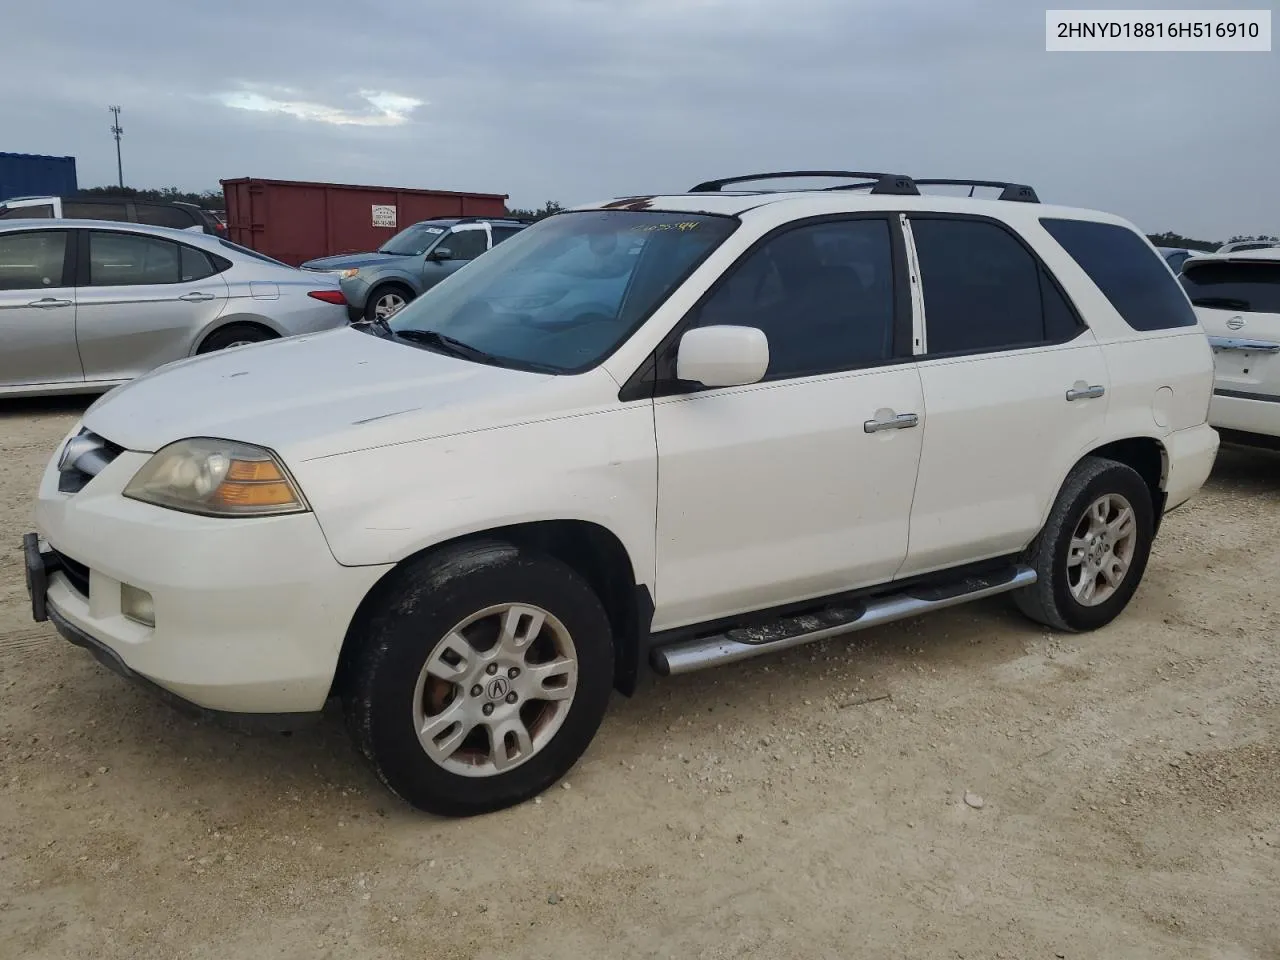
{"x":116,"y":131}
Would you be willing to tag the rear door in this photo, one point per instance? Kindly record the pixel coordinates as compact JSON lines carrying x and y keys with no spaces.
{"x":142,"y":301}
{"x":1015,"y":388}
{"x":1238,"y":303}
{"x":37,"y":309}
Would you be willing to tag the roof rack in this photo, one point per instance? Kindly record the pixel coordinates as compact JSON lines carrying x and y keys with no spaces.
{"x":881,"y":183}
{"x":1018,"y":192}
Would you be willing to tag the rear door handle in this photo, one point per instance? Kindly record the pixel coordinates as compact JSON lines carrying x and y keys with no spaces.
{"x":46,"y":302}
{"x":900,"y":422}
{"x":1082,"y":391}
{"x":196,"y":297}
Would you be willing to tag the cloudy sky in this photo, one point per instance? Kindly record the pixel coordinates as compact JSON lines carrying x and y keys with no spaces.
{"x":574,"y":100}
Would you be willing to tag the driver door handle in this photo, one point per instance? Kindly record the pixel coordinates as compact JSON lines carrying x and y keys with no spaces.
{"x":901,"y":421}
{"x":1082,"y":391}
{"x":196,"y":297}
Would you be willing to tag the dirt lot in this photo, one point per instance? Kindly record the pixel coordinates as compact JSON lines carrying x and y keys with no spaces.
{"x":1129,"y":786}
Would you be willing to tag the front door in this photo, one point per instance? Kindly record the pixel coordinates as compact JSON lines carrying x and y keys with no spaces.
{"x":1015,"y":391}
{"x":453,"y":251}
{"x":37,"y":309}
{"x":142,"y":302}
{"x":799,"y":486}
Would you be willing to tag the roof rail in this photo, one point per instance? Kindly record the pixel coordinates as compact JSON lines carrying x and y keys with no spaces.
{"x":485,"y":219}
{"x":882,"y":183}
{"x":1008,"y":191}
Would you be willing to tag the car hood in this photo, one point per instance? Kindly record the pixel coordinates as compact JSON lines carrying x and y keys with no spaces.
{"x":347,"y":261}
{"x":320,"y":395}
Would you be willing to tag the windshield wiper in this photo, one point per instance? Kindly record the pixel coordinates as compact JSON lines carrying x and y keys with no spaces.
{"x":443,"y":343}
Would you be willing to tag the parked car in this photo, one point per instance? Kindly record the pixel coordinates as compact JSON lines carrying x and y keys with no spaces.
{"x":378,"y":284}
{"x":1177,"y":256}
{"x":1239,"y":246}
{"x":177,"y":215}
{"x":1237,"y":297}
{"x":772,"y":418}
{"x":86,"y":305}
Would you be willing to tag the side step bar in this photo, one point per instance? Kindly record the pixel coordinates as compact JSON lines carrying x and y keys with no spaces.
{"x":741,"y":643}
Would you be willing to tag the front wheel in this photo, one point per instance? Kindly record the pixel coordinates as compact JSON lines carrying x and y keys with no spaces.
{"x":385,"y":302}
{"x":481,"y":677}
{"x":1093,"y":549}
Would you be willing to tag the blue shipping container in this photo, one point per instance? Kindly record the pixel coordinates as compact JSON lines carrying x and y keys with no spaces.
{"x":32,"y":175}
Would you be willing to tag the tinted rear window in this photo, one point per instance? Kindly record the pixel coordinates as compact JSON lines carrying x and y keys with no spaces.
{"x":1247,"y":287}
{"x":1130,"y":274}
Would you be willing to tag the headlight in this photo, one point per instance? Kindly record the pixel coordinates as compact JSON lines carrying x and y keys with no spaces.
{"x":347,"y":274}
{"x":219,"y":478}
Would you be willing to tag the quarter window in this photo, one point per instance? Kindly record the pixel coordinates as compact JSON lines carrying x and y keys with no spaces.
{"x":32,"y":261}
{"x":1127,"y":270}
{"x":822,"y":294}
{"x":131,"y":259}
{"x":984,"y":291}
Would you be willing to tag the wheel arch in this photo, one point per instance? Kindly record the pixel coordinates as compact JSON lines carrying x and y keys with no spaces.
{"x":236,"y":320}
{"x":1147,"y":456}
{"x":591,"y":550}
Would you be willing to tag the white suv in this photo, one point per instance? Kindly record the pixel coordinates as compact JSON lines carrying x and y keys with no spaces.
{"x":1237,"y":296}
{"x":666,"y":431}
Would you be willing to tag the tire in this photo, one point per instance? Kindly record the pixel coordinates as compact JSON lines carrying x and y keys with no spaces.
{"x":383,"y":297}
{"x":234,"y":335}
{"x":1058,"y":598}
{"x":419,"y":618}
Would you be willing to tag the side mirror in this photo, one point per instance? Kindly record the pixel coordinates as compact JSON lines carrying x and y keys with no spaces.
{"x":440,"y":253}
{"x":723,"y":356}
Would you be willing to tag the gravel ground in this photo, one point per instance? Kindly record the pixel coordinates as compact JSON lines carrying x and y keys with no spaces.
{"x":964,"y":785}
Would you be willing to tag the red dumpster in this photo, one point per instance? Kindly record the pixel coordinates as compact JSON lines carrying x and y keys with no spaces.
{"x":296,"y":221}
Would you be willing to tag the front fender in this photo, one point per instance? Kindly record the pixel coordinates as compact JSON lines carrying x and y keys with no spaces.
{"x":382,"y":505}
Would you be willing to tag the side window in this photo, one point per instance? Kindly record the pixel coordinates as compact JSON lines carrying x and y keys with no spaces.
{"x":32,"y":261}
{"x":42,"y":211}
{"x":1248,"y":287}
{"x":822,"y":294}
{"x":196,"y":264}
{"x":465,"y":244}
{"x":159,"y":215}
{"x":504,"y":233}
{"x":79,"y":210}
{"x":1127,"y":271}
{"x":983,"y":290}
{"x":131,"y":259}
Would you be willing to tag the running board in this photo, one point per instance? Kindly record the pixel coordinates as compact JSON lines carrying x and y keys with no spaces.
{"x":740,"y":643}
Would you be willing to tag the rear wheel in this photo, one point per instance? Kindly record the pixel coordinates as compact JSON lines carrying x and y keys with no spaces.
{"x":235,"y":335}
{"x":480,"y":678}
{"x":1093,"y":551}
{"x":385,"y":302}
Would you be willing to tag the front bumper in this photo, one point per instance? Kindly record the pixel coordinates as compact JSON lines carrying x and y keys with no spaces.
{"x":250,"y":614}
{"x":356,"y":290}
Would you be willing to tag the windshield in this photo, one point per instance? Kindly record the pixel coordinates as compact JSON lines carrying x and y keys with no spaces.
{"x":413,"y":241}
{"x":562,"y":294}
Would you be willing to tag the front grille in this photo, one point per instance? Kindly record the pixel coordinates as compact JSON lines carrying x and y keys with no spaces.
{"x":77,"y":573}
{"x":93,"y":456}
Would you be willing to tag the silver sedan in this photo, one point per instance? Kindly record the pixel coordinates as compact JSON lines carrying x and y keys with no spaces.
{"x":88,"y":304}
